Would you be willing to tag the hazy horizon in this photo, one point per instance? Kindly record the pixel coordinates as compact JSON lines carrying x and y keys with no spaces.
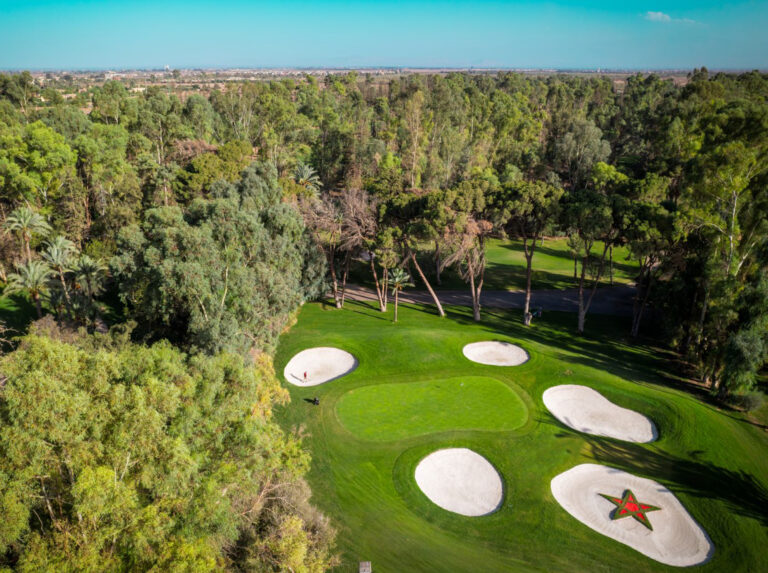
{"x":86,"y":35}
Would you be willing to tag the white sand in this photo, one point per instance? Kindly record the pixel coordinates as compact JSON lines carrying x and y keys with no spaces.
{"x":588,"y":411}
{"x":461,"y":481}
{"x":495,"y":353}
{"x":676,"y":538}
{"x":321,"y":364}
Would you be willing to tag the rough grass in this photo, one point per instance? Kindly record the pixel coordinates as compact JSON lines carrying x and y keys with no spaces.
{"x":713,"y":460}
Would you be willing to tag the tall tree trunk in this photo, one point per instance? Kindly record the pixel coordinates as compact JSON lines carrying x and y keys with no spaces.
{"x":575,"y":266}
{"x":397,"y":291}
{"x":437,"y":263}
{"x":641,"y":302}
{"x":334,"y":280}
{"x":528,"y":272}
{"x":582,"y":312}
{"x":584,"y":308}
{"x":36,"y":299}
{"x":381,"y":296}
{"x":475,"y":299}
{"x":426,"y":283}
{"x":702,"y":318}
{"x":610,"y":250}
{"x":344,"y":276}
{"x":385,"y":285}
{"x":27,"y":250}
{"x":66,"y":293}
{"x":689,"y":325}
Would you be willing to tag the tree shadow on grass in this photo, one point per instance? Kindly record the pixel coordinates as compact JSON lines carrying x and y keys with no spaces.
{"x":737,"y":489}
{"x":603,"y":345}
{"x":368,"y":309}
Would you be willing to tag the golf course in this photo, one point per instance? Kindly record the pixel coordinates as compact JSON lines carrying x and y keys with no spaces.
{"x":414,"y":392}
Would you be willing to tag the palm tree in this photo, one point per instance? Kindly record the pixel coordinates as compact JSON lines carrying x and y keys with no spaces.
{"x":27,"y":223}
{"x":306,"y":176}
{"x":399,"y":279}
{"x":58,"y":254}
{"x":89,"y":274}
{"x":32,"y":277}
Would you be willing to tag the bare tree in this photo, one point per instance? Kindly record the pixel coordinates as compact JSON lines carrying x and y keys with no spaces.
{"x":360,"y":234}
{"x":324,"y":217}
{"x":468,"y":252}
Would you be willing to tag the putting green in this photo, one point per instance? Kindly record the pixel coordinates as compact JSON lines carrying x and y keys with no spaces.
{"x":389,"y":412}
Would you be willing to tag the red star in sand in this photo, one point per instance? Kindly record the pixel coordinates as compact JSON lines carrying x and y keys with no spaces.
{"x":629,"y":506}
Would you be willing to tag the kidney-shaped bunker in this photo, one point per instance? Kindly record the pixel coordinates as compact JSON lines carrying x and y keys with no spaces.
{"x":315,"y":366}
{"x":495,"y":353}
{"x":588,"y":411}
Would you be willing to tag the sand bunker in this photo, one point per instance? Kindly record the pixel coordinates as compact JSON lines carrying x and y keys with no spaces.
{"x":461,"y":481}
{"x":588,"y":411}
{"x":321,"y":365}
{"x":676,"y":539}
{"x":495,"y":353}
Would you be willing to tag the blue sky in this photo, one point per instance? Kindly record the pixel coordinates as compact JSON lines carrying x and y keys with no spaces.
{"x":55,"y":34}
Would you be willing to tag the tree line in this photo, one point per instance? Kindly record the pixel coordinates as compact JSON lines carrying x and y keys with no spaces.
{"x":211,"y":218}
{"x":419,"y":171}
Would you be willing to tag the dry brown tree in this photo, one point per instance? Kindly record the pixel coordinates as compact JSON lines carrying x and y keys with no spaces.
{"x":360,"y":236}
{"x":467,"y":239}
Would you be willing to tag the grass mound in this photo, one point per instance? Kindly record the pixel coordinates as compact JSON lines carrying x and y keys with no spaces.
{"x":388,"y":412}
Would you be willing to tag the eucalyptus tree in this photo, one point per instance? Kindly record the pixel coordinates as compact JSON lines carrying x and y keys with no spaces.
{"x":727,"y":201}
{"x":225,"y":273}
{"x":416,"y":134}
{"x":404,"y":216}
{"x":579,"y":150}
{"x":525,"y":209}
{"x":648,"y":228}
{"x":588,"y":218}
{"x":467,"y":233}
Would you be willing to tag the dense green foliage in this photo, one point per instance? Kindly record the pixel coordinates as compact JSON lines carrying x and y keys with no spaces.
{"x":713,"y":460}
{"x":222,"y":275}
{"x":125,"y":457}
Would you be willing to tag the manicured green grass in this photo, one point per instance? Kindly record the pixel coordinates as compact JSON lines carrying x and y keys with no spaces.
{"x":388,"y":412}
{"x":506,"y":267}
{"x":712,"y":459}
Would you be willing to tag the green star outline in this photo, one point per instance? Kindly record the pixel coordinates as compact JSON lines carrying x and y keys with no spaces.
{"x":629,"y":497}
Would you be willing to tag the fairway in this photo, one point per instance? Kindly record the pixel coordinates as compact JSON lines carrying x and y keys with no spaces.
{"x":552,"y":267}
{"x":389,"y":412}
{"x":406,"y":400}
